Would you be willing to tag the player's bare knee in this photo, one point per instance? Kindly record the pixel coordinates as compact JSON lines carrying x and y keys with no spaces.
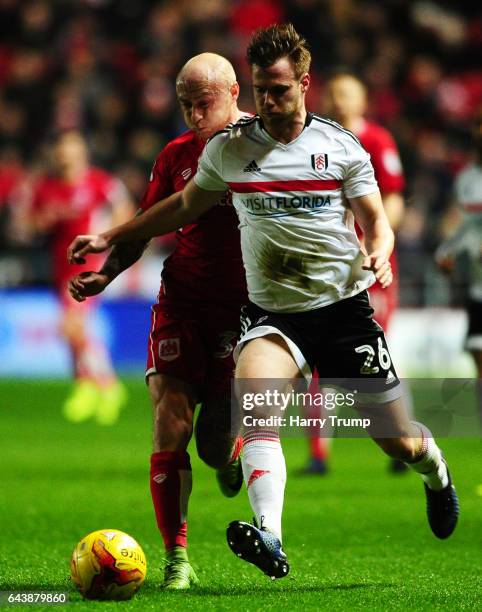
{"x":248,"y":390}
{"x":267,"y":357}
{"x":402,"y":448}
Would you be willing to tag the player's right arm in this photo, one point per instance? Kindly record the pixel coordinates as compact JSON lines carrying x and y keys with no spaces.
{"x":362,"y":192}
{"x":165,"y":216}
{"x":388,"y":169}
{"x":201,"y":193}
{"x":124,"y":255}
{"x":394,"y":206}
{"x":121,"y":257}
{"x":379,"y":238}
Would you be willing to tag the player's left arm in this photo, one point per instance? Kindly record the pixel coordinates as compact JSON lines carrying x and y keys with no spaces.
{"x":387,"y":165}
{"x":394,"y":205}
{"x":378,"y":235}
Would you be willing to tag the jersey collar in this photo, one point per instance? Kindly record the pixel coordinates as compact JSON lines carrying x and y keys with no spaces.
{"x":308,"y":120}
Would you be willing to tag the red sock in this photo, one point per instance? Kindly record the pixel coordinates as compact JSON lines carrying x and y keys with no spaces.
{"x":171,"y":484}
{"x":318,"y":448}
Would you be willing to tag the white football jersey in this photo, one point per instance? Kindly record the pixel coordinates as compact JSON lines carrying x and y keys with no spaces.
{"x":299,"y":245}
{"x":468,"y":236}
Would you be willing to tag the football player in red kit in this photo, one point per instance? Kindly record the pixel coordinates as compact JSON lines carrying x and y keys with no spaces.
{"x":195,"y":322}
{"x":346,"y":103}
{"x":75,"y":197}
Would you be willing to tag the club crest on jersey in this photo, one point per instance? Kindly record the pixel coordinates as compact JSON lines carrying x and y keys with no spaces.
{"x":319,"y":162}
{"x":169,"y":349}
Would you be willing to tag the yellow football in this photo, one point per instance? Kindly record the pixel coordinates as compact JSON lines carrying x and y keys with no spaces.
{"x":108,"y":564}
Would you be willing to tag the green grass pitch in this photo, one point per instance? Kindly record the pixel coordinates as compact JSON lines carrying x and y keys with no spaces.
{"x":357,"y":538}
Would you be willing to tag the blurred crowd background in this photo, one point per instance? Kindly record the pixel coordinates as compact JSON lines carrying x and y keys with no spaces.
{"x":107,"y":68}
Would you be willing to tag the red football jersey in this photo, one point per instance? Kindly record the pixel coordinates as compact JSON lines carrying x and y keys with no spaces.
{"x":206,"y":264}
{"x":76,"y":206}
{"x":389,"y":174}
{"x":384,"y":157}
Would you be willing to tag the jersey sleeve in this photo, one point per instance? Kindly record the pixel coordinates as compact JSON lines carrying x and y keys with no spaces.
{"x":386,"y":163}
{"x":209,"y":172}
{"x":359,"y":179}
{"x":160,"y":184}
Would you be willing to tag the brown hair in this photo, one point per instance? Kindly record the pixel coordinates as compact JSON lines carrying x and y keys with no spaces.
{"x":268,"y":45}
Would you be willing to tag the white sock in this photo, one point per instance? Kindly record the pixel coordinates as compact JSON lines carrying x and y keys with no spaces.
{"x":264,"y":471}
{"x":429,"y":464}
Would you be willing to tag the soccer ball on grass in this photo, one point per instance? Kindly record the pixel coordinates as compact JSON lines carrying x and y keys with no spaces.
{"x":108,"y":564}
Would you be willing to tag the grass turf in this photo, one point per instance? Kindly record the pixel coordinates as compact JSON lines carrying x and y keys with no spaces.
{"x":357,"y":538}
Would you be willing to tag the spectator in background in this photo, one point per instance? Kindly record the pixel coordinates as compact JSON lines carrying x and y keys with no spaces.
{"x":466,"y":242}
{"x":73,"y":197}
{"x":28,"y":92}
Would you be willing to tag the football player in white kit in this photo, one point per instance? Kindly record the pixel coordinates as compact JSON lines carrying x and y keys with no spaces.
{"x":298,"y":181}
{"x":467,"y":239}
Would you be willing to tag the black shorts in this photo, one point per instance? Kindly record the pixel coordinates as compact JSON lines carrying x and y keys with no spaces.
{"x":473,"y":341}
{"x":342,"y":341}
